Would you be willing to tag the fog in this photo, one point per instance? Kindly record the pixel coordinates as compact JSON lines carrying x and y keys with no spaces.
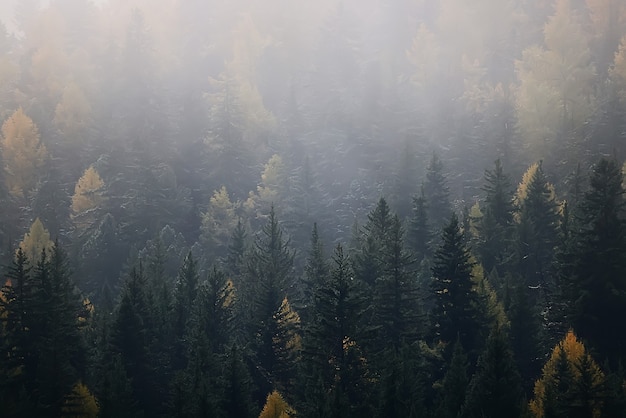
{"x":198,"y":160}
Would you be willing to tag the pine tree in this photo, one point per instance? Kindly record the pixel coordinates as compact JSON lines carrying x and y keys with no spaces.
{"x":396,"y":302}
{"x":269,"y":271}
{"x":130,"y":339}
{"x":437,"y":193}
{"x":184,"y":297}
{"x":367,"y":260}
{"x":495,"y":226}
{"x":455,"y":300}
{"x":495,"y":389}
{"x":330,"y":359}
{"x":316,"y":272}
{"x":419,"y":236}
{"x":237,"y":248}
{"x":537,"y":227}
{"x":454,"y":384}
{"x":593,"y":287}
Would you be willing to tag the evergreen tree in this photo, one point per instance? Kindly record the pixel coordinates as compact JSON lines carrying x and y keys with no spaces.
{"x":593,"y":286}
{"x":316,"y":272}
{"x":455,"y":300}
{"x":437,"y":193}
{"x":237,"y":250}
{"x":368,"y":263}
{"x":537,"y":227}
{"x":454,"y":384}
{"x":419,"y":236}
{"x":495,"y":226}
{"x":130,"y":339}
{"x":396,"y":303}
{"x":184,"y":297}
{"x":495,"y":389}
{"x":330,"y":352}
{"x":269,"y":271}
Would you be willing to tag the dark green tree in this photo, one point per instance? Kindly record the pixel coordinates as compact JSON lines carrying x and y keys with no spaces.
{"x":269,"y":274}
{"x":495,"y":389}
{"x":495,"y":227}
{"x":316,"y":271}
{"x":184,"y":297}
{"x":437,"y":193}
{"x":594,"y":287}
{"x":454,"y":385}
{"x":419,"y":235}
{"x":455,"y":311}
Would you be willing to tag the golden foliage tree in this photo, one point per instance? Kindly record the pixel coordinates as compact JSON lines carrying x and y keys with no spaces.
{"x":571,"y":382}
{"x":618,"y":72}
{"x":219,"y":221}
{"x":87,"y":198}
{"x":276,"y":407}
{"x":23,"y":153}
{"x":272,"y":188}
{"x":72,"y":115}
{"x":35,"y":241}
{"x":555,"y":94}
{"x":80,"y":403}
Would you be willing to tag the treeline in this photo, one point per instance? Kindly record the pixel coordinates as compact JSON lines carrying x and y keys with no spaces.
{"x":512,"y":309}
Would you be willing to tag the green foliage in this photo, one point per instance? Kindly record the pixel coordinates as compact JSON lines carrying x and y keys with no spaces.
{"x":495,"y":389}
{"x":594,"y":292}
{"x":455,"y":300}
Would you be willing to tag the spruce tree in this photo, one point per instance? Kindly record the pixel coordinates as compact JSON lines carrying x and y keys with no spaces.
{"x":437,"y":193}
{"x":495,"y":389}
{"x":454,"y":384}
{"x":593,"y":285}
{"x":419,"y":236}
{"x":495,"y":226}
{"x":454,"y":313}
{"x":269,"y":275}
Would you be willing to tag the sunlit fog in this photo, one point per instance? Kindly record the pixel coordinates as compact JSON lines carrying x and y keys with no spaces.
{"x":298,"y":208}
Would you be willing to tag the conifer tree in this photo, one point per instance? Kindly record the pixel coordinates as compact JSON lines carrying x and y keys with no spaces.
{"x":437,"y":193}
{"x":454,"y":384}
{"x":571,"y":384}
{"x":594,"y":290}
{"x":537,"y":227}
{"x":495,"y":389}
{"x":22,"y":152}
{"x":455,"y":300}
{"x":237,"y":248}
{"x":316,"y":272}
{"x":184,"y":297}
{"x":419,"y":236}
{"x":269,"y":271}
{"x":495,"y":226}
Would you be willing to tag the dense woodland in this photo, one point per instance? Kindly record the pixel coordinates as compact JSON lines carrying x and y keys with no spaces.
{"x":331,"y":208}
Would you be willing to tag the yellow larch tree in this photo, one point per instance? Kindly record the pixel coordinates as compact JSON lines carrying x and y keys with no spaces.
{"x":35,"y":241}
{"x":218,"y":222}
{"x":276,"y":407}
{"x":571,"y":381}
{"x":555,"y":96}
{"x":271,"y":189}
{"x":80,"y":403}
{"x":72,"y":115}
{"x":88,"y":196}
{"x":618,"y":71}
{"x":23,"y":153}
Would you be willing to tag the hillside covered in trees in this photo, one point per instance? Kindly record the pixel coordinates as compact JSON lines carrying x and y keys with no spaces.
{"x":336,"y":208}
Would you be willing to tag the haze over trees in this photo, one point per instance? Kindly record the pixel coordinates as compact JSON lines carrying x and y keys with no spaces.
{"x":317,"y":209}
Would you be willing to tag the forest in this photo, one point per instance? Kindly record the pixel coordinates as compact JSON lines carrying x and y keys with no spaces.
{"x":330,"y":208}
